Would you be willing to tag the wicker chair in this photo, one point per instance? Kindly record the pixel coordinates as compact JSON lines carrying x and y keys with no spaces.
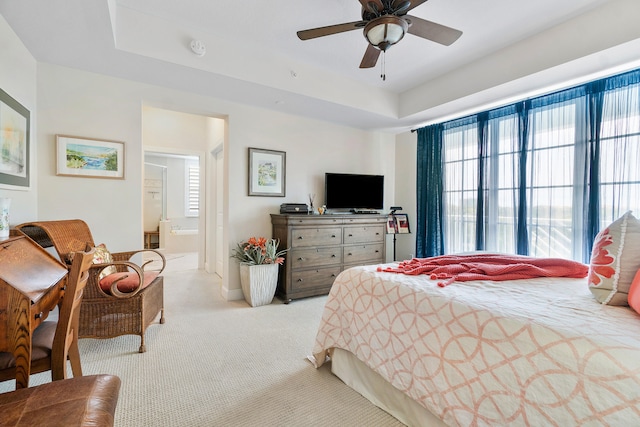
{"x":112,"y":313}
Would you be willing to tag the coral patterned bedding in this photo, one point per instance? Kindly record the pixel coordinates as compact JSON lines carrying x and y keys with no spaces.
{"x":525,"y":352}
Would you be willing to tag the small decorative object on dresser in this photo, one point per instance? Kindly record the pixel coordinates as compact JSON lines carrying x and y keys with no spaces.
{"x":259,"y":263}
{"x":324,"y":245}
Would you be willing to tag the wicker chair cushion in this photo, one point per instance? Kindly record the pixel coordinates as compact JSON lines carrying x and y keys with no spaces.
{"x":129,"y":283}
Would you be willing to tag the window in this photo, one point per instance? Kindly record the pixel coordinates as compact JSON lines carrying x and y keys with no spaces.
{"x":192,"y":189}
{"x":530,"y":178}
{"x":460,"y":187}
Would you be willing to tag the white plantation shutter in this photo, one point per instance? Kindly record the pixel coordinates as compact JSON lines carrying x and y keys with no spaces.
{"x":192,"y":191}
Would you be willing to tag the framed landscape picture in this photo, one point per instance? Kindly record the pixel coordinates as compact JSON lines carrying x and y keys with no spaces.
{"x":266,"y":172}
{"x":89,"y":158}
{"x":14,"y":143}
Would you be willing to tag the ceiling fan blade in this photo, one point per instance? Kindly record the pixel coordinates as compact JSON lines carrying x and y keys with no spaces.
{"x":400,"y":7}
{"x":370,"y":57}
{"x":331,"y":29}
{"x":432,"y":31}
{"x":415,"y":3}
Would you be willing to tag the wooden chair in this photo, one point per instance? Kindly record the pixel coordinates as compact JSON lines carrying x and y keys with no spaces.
{"x":106,"y":312}
{"x":79,"y":401}
{"x":56,"y":341}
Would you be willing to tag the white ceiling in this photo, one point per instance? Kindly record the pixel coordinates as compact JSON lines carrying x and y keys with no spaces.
{"x":508,"y":48}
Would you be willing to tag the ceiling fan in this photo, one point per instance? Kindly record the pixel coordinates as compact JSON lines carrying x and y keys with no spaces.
{"x":385,"y":23}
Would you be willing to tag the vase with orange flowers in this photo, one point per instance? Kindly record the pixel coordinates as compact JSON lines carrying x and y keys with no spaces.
{"x":259,"y":260}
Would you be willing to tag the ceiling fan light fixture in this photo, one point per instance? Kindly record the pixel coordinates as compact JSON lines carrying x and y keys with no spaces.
{"x":385,"y":31}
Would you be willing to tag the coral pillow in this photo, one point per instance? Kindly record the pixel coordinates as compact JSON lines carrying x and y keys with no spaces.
{"x":634,"y":293}
{"x":615,"y":259}
{"x":129,"y":282}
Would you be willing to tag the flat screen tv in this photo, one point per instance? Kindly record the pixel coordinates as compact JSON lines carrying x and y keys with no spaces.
{"x":344,"y":191}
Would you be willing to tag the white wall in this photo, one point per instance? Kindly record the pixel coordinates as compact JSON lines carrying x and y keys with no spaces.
{"x":405,"y":191}
{"x":18,"y":79}
{"x":78,"y":103}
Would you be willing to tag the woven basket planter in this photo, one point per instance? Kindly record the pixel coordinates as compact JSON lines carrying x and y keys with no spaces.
{"x":259,"y":283}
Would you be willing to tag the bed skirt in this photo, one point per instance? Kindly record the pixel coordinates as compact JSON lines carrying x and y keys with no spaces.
{"x":372,"y":386}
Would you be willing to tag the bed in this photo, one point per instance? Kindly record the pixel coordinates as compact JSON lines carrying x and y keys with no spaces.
{"x":538,"y":351}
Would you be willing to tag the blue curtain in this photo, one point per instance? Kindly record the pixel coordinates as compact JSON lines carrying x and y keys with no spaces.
{"x":430,"y":186}
{"x":522,"y":235}
{"x":607,"y":143}
{"x":483,"y":143}
{"x":595,"y":96}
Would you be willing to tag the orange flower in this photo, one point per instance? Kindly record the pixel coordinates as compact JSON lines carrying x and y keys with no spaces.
{"x":259,"y":250}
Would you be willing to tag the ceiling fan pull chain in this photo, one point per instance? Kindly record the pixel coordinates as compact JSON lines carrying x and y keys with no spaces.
{"x":383,"y":67}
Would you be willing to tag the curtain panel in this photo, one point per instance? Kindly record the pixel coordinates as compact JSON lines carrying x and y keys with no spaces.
{"x":549,"y":172}
{"x":429,"y":231}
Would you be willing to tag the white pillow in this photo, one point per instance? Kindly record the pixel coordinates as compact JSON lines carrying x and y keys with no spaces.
{"x":615,"y":259}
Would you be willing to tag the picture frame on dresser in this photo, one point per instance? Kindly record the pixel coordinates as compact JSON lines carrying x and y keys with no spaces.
{"x":15,"y":122}
{"x":267,"y":172}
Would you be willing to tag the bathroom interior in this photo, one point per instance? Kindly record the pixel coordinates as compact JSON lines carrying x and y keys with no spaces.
{"x":170,"y":207}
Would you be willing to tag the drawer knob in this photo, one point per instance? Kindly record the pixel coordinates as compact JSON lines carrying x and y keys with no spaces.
{"x":301,"y":259}
{"x":350,"y":235}
{"x":377,"y":251}
{"x":333,"y":255}
{"x":299,"y":237}
{"x":299,"y":280}
{"x":349,"y":254}
{"x":333,"y":235}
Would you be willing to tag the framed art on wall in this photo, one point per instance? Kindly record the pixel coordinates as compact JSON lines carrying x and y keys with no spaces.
{"x":14,"y":143}
{"x":267,"y":172}
{"x":89,"y":158}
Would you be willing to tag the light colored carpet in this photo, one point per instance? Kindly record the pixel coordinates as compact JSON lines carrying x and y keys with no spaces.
{"x":218,"y":363}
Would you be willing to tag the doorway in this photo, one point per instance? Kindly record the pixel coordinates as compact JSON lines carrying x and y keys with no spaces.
{"x":179,"y":144}
{"x":171,"y":208}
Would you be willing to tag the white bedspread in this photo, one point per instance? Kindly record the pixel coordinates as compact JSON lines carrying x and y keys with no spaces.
{"x":533,"y":352}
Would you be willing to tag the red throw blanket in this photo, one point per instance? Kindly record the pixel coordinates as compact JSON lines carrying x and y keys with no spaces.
{"x":464,"y":268}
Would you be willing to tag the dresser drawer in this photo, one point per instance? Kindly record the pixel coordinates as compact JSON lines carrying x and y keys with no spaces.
{"x":308,"y":220}
{"x":370,"y":252}
{"x":364,"y":234}
{"x":314,"y":278}
{"x":321,"y":246}
{"x":301,"y":237}
{"x":302,"y":258}
{"x":366,"y":220}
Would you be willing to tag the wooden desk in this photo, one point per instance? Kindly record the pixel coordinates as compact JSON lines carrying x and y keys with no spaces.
{"x":31,"y":285}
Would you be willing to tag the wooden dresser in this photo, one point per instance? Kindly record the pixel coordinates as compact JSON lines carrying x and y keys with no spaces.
{"x":321,"y":246}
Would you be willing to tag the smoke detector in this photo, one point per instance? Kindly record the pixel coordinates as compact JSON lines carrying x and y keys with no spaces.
{"x":198,"y":47}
